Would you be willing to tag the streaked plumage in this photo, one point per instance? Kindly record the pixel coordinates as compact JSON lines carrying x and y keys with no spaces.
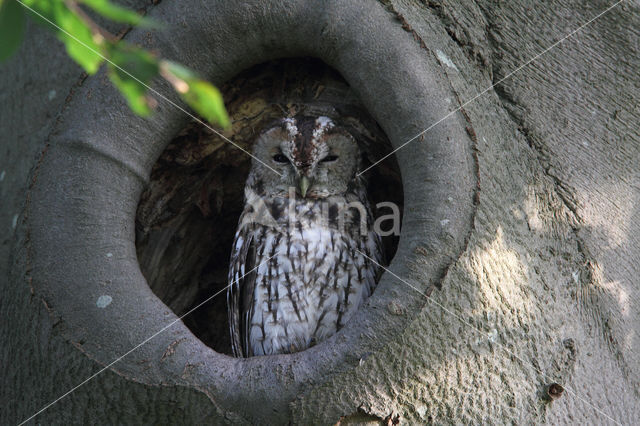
{"x":309,"y":276}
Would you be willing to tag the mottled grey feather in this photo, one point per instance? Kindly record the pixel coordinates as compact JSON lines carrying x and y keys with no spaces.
{"x":310,"y":274}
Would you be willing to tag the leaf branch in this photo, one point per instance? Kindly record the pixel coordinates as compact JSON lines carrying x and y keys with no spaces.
{"x":131,"y":69}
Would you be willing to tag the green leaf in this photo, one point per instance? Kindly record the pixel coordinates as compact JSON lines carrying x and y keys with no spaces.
{"x":207,"y":101}
{"x":179,"y":70}
{"x":120,"y":14}
{"x":137,"y":68}
{"x":77,"y":37}
{"x":44,"y":8}
{"x":199,"y":94}
{"x":11,"y":27}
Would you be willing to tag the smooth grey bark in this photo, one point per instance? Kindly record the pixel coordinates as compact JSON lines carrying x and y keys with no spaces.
{"x":549,"y":275}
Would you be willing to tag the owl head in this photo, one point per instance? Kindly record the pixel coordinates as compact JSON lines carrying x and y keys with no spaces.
{"x":314,"y":155}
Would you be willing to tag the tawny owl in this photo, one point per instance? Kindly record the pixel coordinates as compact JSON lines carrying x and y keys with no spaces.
{"x":297,"y":270}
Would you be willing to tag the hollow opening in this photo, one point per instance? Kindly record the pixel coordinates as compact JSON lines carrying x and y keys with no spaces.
{"x":187,"y":216}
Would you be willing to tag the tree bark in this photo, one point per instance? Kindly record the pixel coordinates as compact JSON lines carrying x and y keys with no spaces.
{"x":545,"y":291}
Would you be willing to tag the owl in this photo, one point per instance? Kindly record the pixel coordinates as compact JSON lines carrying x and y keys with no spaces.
{"x":305,"y":255}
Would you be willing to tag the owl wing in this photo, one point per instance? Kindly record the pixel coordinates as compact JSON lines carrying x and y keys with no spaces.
{"x":242,"y":279}
{"x":374,"y":249}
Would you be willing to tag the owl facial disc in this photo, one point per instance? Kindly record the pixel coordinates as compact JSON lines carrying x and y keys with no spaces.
{"x":314,"y":155}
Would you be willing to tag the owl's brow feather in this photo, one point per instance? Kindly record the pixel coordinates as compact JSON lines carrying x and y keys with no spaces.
{"x":304,"y":142}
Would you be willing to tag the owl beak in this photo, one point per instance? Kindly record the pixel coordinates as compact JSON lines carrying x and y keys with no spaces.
{"x":304,"y":183}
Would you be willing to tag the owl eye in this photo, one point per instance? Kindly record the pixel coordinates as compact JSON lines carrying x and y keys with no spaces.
{"x":329,"y":159}
{"x":280,"y":158}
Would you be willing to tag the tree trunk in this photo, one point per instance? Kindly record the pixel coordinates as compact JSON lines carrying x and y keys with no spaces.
{"x":534,"y":321}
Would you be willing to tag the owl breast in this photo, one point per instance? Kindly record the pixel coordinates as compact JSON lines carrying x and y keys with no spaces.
{"x":310,"y":277}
